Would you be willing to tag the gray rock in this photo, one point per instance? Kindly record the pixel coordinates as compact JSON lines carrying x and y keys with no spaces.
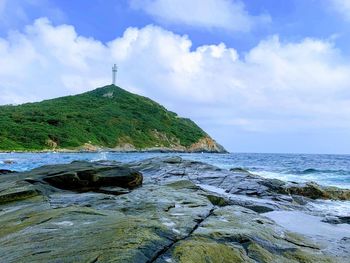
{"x":92,"y":212}
{"x":5,"y":171}
{"x":85,"y":176}
{"x":9,"y":161}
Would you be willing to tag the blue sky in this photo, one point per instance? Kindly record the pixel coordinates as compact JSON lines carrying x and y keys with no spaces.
{"x":106,"y":19}
{"x":259,"y":76}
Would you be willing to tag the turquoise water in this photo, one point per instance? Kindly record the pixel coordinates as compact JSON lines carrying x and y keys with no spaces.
{"x":324,"y":169}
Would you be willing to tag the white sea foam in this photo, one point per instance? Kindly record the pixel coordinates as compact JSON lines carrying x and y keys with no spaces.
{"x":282,"y":176}
{"x":330,"y":207}
{"x":325,"y":179}
{"x":325,"y":207}
{"x":101,"y":156}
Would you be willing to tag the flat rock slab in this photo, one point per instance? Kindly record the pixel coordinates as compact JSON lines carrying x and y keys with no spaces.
{"x":94,"y":212}
{"x":237,"y":181}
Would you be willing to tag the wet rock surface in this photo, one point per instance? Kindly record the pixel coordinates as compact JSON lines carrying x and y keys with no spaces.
{"x":184,"y":211}
{"x":5,"y":171}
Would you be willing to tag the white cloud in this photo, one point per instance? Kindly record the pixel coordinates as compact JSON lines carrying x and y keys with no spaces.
{"x":210,"y":14}
{"x":342,"y":7}
{"x":274,"y":87}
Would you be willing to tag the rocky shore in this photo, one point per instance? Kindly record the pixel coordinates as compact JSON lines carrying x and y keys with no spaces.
{"x":204,"y":145}
{"x":166,"y":210}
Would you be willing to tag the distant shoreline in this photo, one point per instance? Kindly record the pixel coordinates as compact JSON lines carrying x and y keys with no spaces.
{"x":109,"y":150}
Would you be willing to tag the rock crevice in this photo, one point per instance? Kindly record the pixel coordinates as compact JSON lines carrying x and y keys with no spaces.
{"x":184,"y":211}
{"x":171,"y":245}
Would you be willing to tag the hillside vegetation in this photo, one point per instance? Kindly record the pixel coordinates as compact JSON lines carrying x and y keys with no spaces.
{"x":106,"y":117}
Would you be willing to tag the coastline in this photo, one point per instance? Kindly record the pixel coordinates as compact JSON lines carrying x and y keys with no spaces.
{"x":205,"y":145}
{"x":164,"y":205}
{"x":111,"y":150}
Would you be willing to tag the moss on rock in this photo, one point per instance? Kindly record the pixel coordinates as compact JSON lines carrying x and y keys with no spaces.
{"x":262,"y":255}
{"x":183,"y":184}
{"x":16,"y":194}
{"x":218,"y":200}
{"x":302,"y":256}
{"x":205,"y":250}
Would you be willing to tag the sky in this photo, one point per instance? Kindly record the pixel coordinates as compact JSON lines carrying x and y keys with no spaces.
{"x":257,"y":75}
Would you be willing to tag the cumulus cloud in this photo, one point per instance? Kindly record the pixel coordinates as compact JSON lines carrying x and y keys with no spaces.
{"x":209,"y":14}
{"x":274,"y":87}
{"x":342,"y":7}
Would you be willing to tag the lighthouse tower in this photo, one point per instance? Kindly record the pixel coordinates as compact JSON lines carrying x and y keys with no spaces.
{"x":114,"y":73}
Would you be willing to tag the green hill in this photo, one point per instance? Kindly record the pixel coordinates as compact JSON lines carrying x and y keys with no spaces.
{"x":108,"y":117}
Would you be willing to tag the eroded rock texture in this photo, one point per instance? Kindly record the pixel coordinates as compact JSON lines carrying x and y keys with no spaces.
{"x":99,"y":212}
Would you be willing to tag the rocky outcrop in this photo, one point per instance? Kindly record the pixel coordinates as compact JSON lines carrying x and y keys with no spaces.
{"x":315,"y":191}
{"x":77,"y":176}
{"x":66,"y":213}
{"x":206,"y":144}
{"x":85,"y":176}
{"x":5,"y":171}
{"x":239,"y":181}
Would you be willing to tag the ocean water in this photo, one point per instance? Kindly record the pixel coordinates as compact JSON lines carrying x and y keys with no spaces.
{"x":332,"y":170}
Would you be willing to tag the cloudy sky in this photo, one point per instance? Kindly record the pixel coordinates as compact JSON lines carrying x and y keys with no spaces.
{"x":259,"y":76}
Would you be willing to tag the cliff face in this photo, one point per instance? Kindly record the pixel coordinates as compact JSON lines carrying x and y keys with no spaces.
{"x":106,"y":118}
{"x":206,"y":144}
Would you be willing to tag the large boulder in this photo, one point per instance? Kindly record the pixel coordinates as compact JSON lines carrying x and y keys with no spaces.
{"x":5,"y":171}
{"x":85,"y":176}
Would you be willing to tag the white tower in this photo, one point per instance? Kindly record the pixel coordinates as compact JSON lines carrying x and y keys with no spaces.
{"x":114,"y":73}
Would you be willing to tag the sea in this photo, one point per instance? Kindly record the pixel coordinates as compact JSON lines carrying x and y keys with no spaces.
{"x":325,"y":169}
